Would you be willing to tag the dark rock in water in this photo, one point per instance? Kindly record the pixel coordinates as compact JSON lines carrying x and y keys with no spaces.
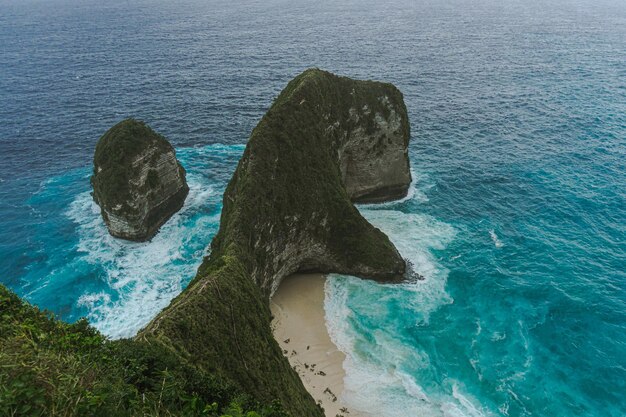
{"x":326,"y":142}
{"x":137,"y":181}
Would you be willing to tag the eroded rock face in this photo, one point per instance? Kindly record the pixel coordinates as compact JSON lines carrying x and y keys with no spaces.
{"x":325,"y":142}
{"x":374,"y":157}
{"x":137,"y":181}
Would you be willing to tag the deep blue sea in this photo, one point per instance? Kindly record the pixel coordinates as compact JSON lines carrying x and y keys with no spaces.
{"x":516,"y":218}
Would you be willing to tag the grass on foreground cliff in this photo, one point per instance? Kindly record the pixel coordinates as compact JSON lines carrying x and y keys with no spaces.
{"x":52,"y":368}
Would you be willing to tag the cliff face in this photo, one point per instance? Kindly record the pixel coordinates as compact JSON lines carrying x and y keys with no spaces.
{"x":373,"y":155}
{"x":325,"y":142}
{"x":137,"y":181}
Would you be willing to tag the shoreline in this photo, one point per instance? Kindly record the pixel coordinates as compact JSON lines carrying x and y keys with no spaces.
{"x":299,"y":327}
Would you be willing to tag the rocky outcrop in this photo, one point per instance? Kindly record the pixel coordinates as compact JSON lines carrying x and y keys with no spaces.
{"x":137,"y":181}
{"x":373,"y":155}
{"x":325,"y":142}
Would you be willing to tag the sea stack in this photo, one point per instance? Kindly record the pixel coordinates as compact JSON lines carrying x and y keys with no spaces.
{"x":137,"y":180}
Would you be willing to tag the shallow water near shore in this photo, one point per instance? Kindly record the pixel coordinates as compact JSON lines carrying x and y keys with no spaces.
{"x":516,"y":219}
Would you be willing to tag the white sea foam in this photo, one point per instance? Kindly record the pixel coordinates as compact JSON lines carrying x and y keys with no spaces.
{"x":498,"y":336}
{"x":464,"y":406}
{"x":420,"y":184}
{"x":94,"y":300}
{"x":380,"y":365}
{"x":141,"y":278}
{"x":494,"y":237}
{"x":415,"y":236}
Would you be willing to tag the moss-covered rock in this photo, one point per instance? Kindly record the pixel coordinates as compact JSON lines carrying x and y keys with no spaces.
{"x":137,"y":181}
{"x":288,"y":208}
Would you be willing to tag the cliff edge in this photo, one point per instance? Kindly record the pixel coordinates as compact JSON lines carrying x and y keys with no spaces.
{"x":326,"y":142}
{"x":137,"y":181}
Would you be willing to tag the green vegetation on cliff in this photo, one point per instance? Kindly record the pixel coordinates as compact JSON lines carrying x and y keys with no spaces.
{"x":137,"y":181}
{"x":115,"y":152}
{"x":288,"y":182}
{"x":51,"y":368}
{"x":286,"y":209}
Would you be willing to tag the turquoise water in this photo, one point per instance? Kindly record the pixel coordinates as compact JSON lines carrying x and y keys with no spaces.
{"x":516,"y":219}
{"x":82,"y":271}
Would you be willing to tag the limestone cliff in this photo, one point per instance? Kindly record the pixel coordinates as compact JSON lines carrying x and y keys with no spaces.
{"x":374,"y":139}
{"x":325,"y":142}
{"x":137,"y":181}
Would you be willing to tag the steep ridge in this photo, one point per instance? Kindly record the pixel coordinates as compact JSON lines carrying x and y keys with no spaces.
{"x":325,"y":142}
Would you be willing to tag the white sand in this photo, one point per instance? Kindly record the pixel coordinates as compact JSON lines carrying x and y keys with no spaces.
{"x":300,"y":328}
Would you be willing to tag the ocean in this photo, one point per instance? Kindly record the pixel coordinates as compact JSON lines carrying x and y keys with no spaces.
{"x":516,"y":217}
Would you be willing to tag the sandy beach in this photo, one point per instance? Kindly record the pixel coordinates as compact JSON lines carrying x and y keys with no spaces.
{"x":300,"y":328}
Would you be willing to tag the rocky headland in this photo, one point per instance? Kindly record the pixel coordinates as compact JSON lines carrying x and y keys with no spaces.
{"x":325,"y":143}
{"x":137,"y":181}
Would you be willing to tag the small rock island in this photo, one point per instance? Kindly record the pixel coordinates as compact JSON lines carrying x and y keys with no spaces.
{"x":137,"y":181}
